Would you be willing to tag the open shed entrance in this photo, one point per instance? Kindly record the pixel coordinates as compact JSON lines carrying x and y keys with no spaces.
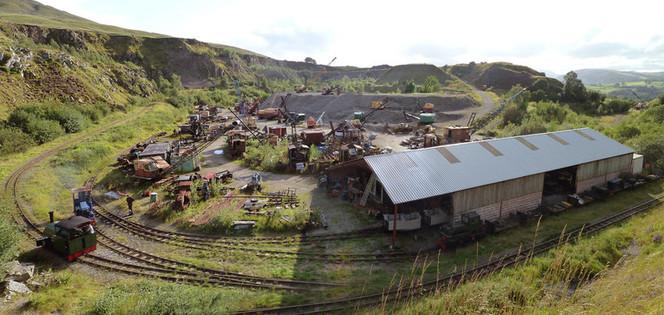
{"x":558,"y":184}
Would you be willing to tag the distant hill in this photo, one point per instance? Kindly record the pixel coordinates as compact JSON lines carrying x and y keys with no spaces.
{"x":605,"y":76}
{"x":415,"y":72}
{"x":128,"y":62}
{"x":499,"y":76}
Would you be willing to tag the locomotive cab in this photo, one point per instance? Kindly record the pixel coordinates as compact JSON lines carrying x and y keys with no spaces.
{"x":71,"y":238}
{"x":82,"y":198}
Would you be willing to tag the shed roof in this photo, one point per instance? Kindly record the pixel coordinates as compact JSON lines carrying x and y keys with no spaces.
{"x":418,"y":174}
{"x":156,"y":149}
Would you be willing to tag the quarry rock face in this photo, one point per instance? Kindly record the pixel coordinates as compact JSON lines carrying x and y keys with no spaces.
{"x":19,"y":60}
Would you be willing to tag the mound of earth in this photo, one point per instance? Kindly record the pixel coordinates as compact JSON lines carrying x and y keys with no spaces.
{"x":342,"y":107}
{"x":498,"y":75}
{"x":415,"y":72}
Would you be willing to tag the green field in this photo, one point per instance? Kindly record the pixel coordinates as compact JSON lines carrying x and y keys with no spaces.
{"x":645,"y":90}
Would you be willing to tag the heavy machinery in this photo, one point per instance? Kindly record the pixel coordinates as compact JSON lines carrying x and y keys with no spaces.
{"x":269,"y":113}
{"x":182,"y":191}
{"x":70,"y":238}
{"x":82,"y":198}
{"x":255,"y":184}
{"x":471,"y":228}
{"x":375,"y":107}
{"x":331,"y":90}
{"x":300,"y":88}
{"x":224,"y":176}
{"x":194,"y":127}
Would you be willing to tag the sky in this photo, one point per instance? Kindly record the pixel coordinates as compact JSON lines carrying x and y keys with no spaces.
{"x":550,"y":36}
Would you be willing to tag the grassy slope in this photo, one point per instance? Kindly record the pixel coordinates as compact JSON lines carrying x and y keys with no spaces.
{"x":625,"y":259}
{"x":637,"y":285}
{"x":48,"y":186}
{"x":35,"y":13}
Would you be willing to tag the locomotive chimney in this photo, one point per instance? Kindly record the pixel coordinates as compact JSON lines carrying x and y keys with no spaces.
{"x":50,"y":216}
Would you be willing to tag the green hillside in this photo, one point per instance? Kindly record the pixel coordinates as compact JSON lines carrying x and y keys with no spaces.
{"x":34,"y":13}
{"x":501,"y":76}
{"x":607,"y":77}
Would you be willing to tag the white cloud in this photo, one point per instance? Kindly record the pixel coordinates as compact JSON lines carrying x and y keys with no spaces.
{"x":545,"y":35}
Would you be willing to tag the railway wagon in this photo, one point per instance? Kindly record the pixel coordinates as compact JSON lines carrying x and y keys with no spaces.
{"x":70,"y":238}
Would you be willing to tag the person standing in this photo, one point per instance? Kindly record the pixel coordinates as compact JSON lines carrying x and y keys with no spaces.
{"x":130,"y":205}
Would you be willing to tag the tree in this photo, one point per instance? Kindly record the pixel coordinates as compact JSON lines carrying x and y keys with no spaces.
{"x":431,"y":84}
{"x":410,"y":87}
{"x":310,"y":60}
{"x":653,"y":150}
{"x":573,"y":89}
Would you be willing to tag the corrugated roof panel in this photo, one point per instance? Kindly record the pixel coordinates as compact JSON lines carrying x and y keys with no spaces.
{"x":560,"y":140}
{"x":526,"y":143}
{"x":583,"y":134}
{"x":418,"y":174}
{"x":490,"y":148}
{"x":447,"y":155}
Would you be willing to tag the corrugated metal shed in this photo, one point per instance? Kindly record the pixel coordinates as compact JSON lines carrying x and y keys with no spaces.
{"x":418,"y":174}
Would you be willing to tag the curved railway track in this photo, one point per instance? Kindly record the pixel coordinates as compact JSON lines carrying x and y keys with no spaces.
{"x":276,"y":240}
{"x":151,"y":265}
{"x":244,"y":240}
{"x":511,"y":258}
{"x":195,"y":243}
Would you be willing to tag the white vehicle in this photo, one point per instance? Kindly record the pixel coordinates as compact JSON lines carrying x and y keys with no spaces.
{"x":254,"y":204}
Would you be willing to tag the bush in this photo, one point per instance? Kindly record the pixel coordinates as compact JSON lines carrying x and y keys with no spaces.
{"x":550,"y":112}
{"x":513,"y":115}
{"x":652,"y":148}
{"x":431,"y":85}
{"x":43,"y":130}
{"x":14,"y":140}
{"x":657,"y":113}
{"x":532,"y":126}
{"x":9,"y":236}
{"x":20,"y":118}
{"x":96,"y":111}
{"x":626,"y":132}
{"x":265,"y":157}
{"x":410,"y":87}
{"x":614,"y":106}
{"x":69,"y":119}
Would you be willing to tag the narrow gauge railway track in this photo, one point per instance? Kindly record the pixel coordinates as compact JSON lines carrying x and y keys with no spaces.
{"x":161,"y":271}
{"x":139,"y":230}
{"x":243,"y":240}
{"x":170,"y":264}
{"x":513,"y":257}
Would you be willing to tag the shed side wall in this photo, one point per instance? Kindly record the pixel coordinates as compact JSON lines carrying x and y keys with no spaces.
{"x":485,"y":195}
{"x":602,"y":171}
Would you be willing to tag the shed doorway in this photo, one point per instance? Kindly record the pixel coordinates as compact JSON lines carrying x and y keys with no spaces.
{"x":558,"y":184}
